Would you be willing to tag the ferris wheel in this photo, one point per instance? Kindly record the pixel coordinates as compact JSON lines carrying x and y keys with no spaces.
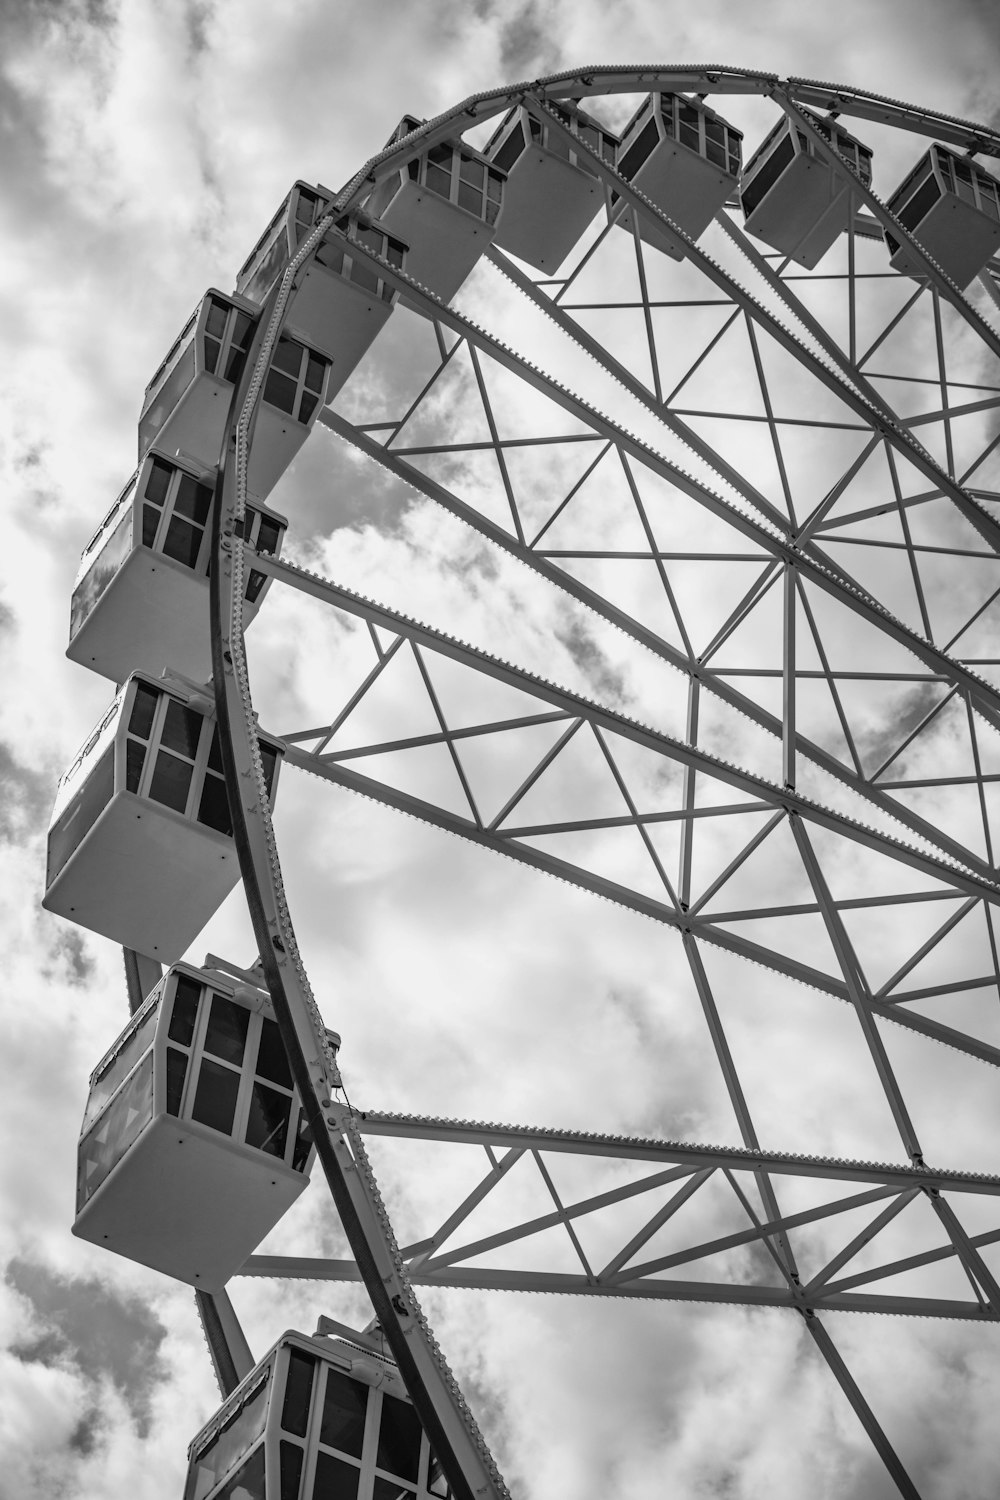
{"x":730,"y":410}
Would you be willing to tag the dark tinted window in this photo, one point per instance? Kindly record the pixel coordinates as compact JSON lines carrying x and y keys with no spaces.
{"x":303,"y":1144}
{"x":150,"y":521}
{"x":271,"y":1060}
{"x":226,"y":1036}
{"x":287,"y":356}
{"x":177,"y":1062}
{"x":438,"y":179}
{"x":215,"y":1099}
{"x":687,"y":121}
{"x":213,"y":809}
{"x":335,"y":1480}
{"x":267,"y":1123}
{"x":639,"y":151}
{"x":398,"y":1438}
{"x":215,"y":324}
{"x":344,"y":1407}
{"x":159,"y":481}
{"x":181,"y":729}
{"x":298,"y":1389}
{"x":183,"y":542}
{"x":141,"y":720}
{"x":185,"y":1011}
{"x":279,"y":391}
{"x":170,"y":781}
{"x":193,"y":499}
{"x":315,"y":368}
{"x":135,"y":755}
{"x":920,"y":204}
{"x":511,"y":149}
{"x":715,"y":142}
{"x":268,"y":536}
{"x":766,"y":175}
{"x":290,"y":1459}
{"x":268,"y":759}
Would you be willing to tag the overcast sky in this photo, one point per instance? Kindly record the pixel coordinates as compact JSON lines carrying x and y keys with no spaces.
{"x":145,"y":145}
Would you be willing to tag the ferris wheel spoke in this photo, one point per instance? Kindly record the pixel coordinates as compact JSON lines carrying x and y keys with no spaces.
{"x":938,"y":668}
{"x":853,"y":594}
{"x":863,"y":1411}
{"x":720,"y":1229}
{"x":228,"y":1349}
{"x":574,"y":706}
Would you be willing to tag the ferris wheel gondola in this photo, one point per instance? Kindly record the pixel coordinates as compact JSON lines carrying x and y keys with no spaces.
{"x":445,"y":204}
{"x":952,"y":205}
{"x":140,"y":600}
{"x":140,"y":845}
{"x":193,"y":1143}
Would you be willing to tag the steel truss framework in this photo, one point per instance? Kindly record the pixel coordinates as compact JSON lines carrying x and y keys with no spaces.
{"x":818,"y":561}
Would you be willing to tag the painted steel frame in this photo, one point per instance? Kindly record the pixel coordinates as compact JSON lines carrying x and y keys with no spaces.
{"x":339,"y":1130}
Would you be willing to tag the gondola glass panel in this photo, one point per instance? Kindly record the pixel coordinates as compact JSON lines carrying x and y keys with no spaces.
{"x":683,"y":157}
{"x":551,"y":195}
{"x":793,"y":199}
{"x":140,"y":844}
{"x":951,"y":206}
{"x":187,"y":407}
{"x":339,"y":302}
{"x":140,"y":602}
{"x":193,"y":1143}
{"x":445,"y":205}
{"x":337,"y":1424}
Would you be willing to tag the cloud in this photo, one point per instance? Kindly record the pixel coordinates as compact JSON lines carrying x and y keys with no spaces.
{"x":85,"y":1325}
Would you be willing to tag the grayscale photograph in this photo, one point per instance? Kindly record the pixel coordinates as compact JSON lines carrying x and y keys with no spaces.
{"x":501,"y":749}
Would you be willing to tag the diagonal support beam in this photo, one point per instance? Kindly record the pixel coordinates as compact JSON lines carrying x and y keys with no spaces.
{"x":227,"y":1345}
{"x":858,"y":991}
{"x":576,"y":706}
{"x":465,"y":1208}
{"x":860,"y":1240}
{"x":967,"y":1251}
{"x":862,"y":1410}
{"x":665,"y":1212}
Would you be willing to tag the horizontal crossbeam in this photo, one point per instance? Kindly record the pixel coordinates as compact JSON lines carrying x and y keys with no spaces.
{"x":678,"y":1153}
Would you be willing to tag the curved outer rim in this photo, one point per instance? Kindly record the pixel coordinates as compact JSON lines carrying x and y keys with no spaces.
{"x":439,"y":1404}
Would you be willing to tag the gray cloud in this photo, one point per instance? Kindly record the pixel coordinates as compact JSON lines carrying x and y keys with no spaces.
{"x":527,"y":46}
{"x":85,"y":1325}
{"x":27,"y":797}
